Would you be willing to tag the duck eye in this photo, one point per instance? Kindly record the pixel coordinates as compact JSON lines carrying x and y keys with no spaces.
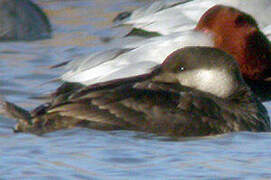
{"x":181,"y":68}
{"x":240,"y":21}
{"x":245,"y":20}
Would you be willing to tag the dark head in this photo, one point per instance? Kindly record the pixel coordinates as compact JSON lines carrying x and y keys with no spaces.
{"x":238,"y":34}
{"x":206,"y":69}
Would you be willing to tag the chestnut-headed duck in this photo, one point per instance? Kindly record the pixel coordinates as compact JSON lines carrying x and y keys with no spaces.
{"x":196,"y":91}
{"x":165,"y":17}
{"x":238,"y":34}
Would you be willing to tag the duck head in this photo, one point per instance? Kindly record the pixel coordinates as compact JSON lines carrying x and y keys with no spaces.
{"x":238,"y":34}
{"x":206,"y":69}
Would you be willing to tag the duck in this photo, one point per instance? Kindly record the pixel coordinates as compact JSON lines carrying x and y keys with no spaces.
{"x":252,"y":48}
{"x":165,"y":17}
{"x":224,"y":27}
{"x":196,"y":91}
{"x":23,"y":20}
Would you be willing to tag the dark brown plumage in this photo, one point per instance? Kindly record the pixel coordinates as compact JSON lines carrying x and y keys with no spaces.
{"x":161,"y":102}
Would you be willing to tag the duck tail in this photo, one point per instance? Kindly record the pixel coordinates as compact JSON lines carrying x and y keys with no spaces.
{"x":11,"y":110}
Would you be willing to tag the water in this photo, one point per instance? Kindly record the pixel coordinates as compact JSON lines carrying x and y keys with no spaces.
{"x":79,"y":26}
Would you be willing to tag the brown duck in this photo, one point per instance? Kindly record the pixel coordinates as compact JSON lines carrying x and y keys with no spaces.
{"x":196,"y":91}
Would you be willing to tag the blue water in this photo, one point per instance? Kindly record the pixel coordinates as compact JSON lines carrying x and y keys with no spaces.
{"x":78,"y":27}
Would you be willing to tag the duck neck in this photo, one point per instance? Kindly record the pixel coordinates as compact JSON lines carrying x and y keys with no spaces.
{"x":252,"y":52}
{"x":257,"y":56}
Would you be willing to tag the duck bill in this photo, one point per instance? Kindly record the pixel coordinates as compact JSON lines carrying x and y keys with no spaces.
{"x":165,"y":78}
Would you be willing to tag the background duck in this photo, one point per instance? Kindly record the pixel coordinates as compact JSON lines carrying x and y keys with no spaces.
{"x":174,"y":99}
{"x":167,"y":16}
{"x":23,"y":20}
{"x":238,"y":35}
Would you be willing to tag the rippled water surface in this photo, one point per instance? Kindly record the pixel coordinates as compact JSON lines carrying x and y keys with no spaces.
{"x":79,"y":26}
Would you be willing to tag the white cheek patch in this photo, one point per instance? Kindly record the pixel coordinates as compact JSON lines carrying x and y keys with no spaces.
{"x":214,"y":81}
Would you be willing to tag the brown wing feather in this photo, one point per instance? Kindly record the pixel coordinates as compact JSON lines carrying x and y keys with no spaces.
{"x":126,"y":107}
{"x":144,"y":106}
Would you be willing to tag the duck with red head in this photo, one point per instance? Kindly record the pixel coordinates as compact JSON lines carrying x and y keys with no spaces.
{"x":222,"y":27}
{"x":237,"y":33}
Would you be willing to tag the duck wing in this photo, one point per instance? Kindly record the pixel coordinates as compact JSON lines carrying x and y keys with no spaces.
{"x":143,"y":106}
{"x":139,"y":104}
